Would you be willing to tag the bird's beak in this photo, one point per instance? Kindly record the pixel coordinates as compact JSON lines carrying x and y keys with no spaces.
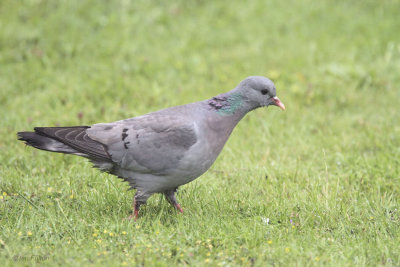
{"x":278,"y":103}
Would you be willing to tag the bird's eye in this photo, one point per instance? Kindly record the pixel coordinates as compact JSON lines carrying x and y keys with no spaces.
{"x":264,"y":91}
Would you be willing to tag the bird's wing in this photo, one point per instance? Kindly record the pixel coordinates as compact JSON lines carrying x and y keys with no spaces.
{"x":148,"y":144}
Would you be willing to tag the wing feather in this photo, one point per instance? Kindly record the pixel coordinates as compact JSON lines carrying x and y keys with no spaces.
{"x":76,"y":138}
{"x":150,"y":143}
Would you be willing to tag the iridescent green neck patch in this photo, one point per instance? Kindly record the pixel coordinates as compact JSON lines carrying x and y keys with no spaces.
{"x":226,"y":104}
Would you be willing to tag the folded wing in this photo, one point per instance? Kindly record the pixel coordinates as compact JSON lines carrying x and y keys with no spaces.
{"x":147,"y":144}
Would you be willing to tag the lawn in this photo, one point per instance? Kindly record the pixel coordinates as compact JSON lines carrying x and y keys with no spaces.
{"x":318,"y":184}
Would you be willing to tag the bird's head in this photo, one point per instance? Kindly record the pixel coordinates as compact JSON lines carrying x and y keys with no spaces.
{"x":259,"y":91}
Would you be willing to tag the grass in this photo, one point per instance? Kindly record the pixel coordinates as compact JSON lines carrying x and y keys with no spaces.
{"x":315,"y":185}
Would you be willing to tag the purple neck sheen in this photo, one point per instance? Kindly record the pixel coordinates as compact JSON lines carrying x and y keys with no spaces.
{"x":217,"y":102}
{"x":226,"y":104}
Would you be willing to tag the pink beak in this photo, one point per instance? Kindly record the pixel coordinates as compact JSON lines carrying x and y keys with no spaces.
{"x":278,"y":103}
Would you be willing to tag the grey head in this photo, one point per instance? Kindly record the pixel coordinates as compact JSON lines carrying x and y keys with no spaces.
{"x":259,"y":91}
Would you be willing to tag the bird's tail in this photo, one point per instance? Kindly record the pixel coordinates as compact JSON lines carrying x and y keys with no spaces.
{"x":42,"y":142}
{"x":68,"y":140}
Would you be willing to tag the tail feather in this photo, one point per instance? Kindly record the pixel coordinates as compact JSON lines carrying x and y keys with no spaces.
{"x":45,"y":143}
{"x":69,"y":140}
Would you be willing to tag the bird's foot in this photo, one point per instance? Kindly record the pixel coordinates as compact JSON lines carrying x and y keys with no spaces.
{"x":170,"y":196}
{"x":136,"y":207}
{"x":134,"y":216}
{"x":179,"y":208}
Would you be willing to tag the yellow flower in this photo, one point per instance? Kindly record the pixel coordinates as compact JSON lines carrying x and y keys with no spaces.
{"x":208,"y":254}
{"x":317,"y":258}
{"x":19,"y":233}
{"x":105,"y":231}
{"x":207,"y":260}
{"x":29,"y":233}
{"x":124,"y":233}
{"x":124,"y":263}
{"x":99,"y":241}
{"x":269,"y":242}
{"x":71,"y":196}
{"x":137,"y":226}
{"x":287,"y":250}
{"x":293,"y":226}
{"x":111,"y":234}
{"x":371,"y":218}
{"x":1,"y":197}
{"x":49,"y":189}
{"x":5,"y":194}
{"x":94,"y":234}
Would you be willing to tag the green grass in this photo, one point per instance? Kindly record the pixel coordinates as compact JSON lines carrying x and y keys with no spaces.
{"x":332,"y":159}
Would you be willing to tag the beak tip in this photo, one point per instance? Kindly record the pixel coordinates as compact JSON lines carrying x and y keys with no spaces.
{"x":279,"y":103}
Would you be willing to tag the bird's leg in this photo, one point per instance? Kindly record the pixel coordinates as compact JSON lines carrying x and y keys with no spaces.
{"x":139,"y":199}
{"x":170,"y":196}
{"x":136,"y":207}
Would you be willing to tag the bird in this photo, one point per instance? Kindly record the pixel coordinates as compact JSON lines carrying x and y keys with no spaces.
{"x":162,"y":150}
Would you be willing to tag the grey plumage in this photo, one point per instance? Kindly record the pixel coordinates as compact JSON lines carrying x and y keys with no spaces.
{"x":159,"y":151}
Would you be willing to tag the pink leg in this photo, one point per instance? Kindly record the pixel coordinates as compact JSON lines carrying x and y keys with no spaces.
{"x":170,"y":196}
{"x":138,"y":200}
{"x":135,"y":213}
{"x":179,"y":208}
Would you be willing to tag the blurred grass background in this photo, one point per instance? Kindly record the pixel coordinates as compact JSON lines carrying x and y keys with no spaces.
{"x":332,"y":159}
